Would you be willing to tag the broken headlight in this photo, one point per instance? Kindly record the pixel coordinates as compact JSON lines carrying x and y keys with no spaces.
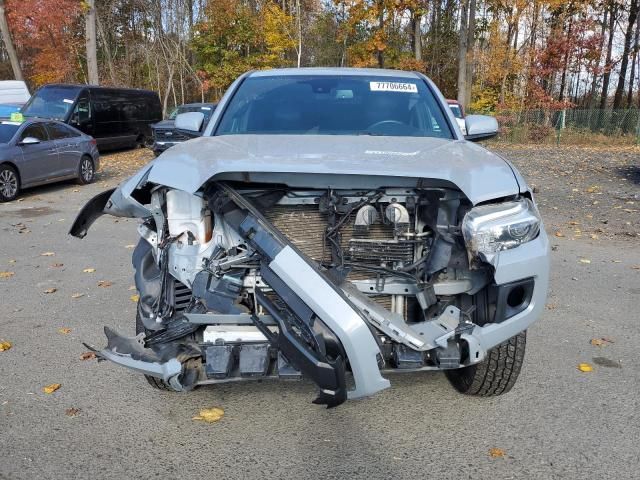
{"x":489,"y":229}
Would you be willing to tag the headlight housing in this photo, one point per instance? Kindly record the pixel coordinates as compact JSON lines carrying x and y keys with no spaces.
{"x":489,"y":229}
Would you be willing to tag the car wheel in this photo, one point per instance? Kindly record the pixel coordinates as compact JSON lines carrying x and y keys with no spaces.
{"x":496,"y":374}
{"x":86,"y":170}
{"x":9,"y":183}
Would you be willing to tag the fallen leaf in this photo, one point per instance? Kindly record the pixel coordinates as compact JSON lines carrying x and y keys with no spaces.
{"x":64,"y":331}
{"x":585,"y":260}
{"x":551,"y":306}
{"x":559,"y":234}
{"x":77,"y":295}
{"x":634,"y":267}
{"x":12,"y":261}
{"x":51,"y":290}
{"x":88,"y":356}
{"x":129,"y":246}
{"x":4,"y":346}
{"x":7,"y":274}
{"x":496,"y":453}
{"x":210,"y":415}
{"x":47,"y":254}
{"x":134,"y":298}
{"x":596,"y":342}
{"x":88,"y":270}
{"x":57,"y":265}
{"x":72,"y":412}
{"x":585,"y":367}
{"x":104,"y":283}
{"x":49,"y":389}
{"x":132,"y":287}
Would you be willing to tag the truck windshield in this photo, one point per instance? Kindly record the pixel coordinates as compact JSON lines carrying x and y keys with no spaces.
{"x":51,"y":102}
{"x":334,"y":105}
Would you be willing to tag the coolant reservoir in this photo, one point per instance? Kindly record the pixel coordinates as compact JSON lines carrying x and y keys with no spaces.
{"x":188,"y":213}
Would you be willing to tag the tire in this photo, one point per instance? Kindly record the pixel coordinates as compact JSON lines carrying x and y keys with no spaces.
{"x":9,"y":183}
{"x":156,"y":383}
{"x":496,"y":374}
{"x":86,"y":170}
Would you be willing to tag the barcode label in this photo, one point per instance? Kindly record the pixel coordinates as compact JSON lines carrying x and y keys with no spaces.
{"x":393,"y":87}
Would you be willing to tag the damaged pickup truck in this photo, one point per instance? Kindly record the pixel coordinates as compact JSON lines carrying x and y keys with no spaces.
{"x":331,"y":224}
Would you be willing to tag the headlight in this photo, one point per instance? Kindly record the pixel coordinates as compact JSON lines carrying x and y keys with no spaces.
{"x":489,"y":229}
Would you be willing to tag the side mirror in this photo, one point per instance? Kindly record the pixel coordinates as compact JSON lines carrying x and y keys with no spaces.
{"x":480,"y":127}
{"x":191,"y":121}
{"x":29,"y":141}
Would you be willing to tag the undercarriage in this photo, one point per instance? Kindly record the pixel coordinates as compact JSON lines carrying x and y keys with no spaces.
{"x":255,"y":281}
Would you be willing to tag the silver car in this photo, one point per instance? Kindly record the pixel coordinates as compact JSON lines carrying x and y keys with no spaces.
{"x":333,"y":224}
{"x":37,"y":151}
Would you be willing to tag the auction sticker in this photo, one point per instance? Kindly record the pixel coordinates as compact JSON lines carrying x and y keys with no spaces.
{"x":393,"y":87}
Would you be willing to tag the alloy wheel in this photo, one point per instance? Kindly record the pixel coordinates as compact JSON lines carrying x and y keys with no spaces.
{"x":8,"y":183}
{"x":86,"y":170}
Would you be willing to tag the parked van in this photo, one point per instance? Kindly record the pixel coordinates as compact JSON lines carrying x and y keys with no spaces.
{"x":115,"y":117}
{"x":13,"y":92}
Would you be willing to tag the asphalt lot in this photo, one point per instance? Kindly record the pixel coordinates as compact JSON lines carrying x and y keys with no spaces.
{"x":557,"y":422}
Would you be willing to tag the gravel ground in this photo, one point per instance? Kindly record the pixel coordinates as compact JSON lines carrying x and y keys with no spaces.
{"x":105,"y":422}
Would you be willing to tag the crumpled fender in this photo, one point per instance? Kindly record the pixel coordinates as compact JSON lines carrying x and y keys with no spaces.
{"x":117,"y":202}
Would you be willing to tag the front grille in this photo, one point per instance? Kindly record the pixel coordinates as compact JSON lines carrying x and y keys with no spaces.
{"x":169,"y":136}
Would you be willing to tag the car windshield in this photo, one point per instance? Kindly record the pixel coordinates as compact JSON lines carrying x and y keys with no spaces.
{"x":334,"y":105}
{"x":207,"y":110}
{"x":7,"y":131}
{"x":457,"y":112}
{"x":51,"y":102}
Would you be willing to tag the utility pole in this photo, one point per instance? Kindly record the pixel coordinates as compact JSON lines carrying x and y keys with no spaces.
{"x":92,"y":56}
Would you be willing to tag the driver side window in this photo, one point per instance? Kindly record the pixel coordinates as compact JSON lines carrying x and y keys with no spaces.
{"x":36,"y":131}
{"x":81,"y":112}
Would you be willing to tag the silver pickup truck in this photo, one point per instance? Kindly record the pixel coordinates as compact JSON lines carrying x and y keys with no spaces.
{"x":332,"y":224}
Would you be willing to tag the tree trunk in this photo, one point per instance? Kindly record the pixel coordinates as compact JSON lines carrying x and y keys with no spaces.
{"x":380,"y":52}
{"x":92,"y":56}
{"x":607,"y":63}
{"x":563,"y":80}
{"x":462,"y":53}
{"x":417,"y":36}
{"x":8,"y":44}
{"x":633,"y":13}
{"x":636,"y":47}
{"x":471,"y":38}
{"x":594,"y":80}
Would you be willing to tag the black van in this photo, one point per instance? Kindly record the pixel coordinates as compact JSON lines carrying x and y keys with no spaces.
{"x":115,"y":117}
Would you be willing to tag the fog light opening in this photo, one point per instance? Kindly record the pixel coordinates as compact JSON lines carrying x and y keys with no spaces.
{"x":516,"y":296}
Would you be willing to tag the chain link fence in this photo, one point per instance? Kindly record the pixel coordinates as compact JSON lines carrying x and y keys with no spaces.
{"x":571,"y":127}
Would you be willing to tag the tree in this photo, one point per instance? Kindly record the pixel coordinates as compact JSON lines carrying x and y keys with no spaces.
{"x":92,"y":55}
{"x":628,"y":36}
{"x":8,"y":43}
{"x":613,"y":11}
{"x":462,"y":52}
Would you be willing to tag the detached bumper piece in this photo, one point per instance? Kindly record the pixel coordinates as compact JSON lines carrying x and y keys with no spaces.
{"x":168,"y":362}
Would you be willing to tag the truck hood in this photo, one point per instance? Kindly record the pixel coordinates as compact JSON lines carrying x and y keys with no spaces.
{"x":336,"y":161}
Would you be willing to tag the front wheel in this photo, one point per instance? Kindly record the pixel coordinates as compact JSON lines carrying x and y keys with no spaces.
{"x":9,"y":183}
{"x":86,"y":170}
{"x":496,"y":374}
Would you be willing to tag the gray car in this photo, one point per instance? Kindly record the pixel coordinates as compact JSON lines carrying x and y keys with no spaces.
{"x":38,"y":151}
{"x":333,"y":224}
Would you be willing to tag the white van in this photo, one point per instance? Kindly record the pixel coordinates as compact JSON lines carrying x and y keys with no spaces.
{"x":14,"y":92}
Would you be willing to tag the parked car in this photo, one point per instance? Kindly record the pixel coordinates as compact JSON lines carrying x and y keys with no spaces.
{"x":330,"y":222}
{"x":6,"y":109}
{"x":14,"y":92}
{"x":43,"y":151}
{"x":458,"y":113}
{"x":165,"y":134}
{"x":115,"y":117}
